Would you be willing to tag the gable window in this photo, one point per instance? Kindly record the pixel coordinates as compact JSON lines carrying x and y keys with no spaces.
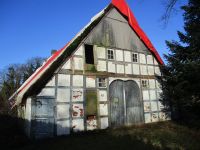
{"x":89,"y":54}
{"x":102,"y":82}
{"x":144,"y":83}
{"x":110,"y":54}
{"x":135,"y":57}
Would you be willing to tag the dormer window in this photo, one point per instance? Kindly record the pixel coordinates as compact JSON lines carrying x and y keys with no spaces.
{"x":110,"y":54}
{"x":135,"y":57}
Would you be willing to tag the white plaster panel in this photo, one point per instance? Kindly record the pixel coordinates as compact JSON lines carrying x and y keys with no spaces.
{"x":90,"y":82}
{"x":128,"y":69}
{"x":147,"y":107}
{"x":145,"y":95}
{"x":143,"y":69}
{"x":63,"y":127}
{"x":159,"y":93}
{"x":79,"y":51}
{"x":111,"y":67}
{"x":67,"y":65}
{"x":91,"y":123}
{"x":160,"y":106}
{"x":51,"y":82}
{"x":142,"y":58}
{"x":63,"y":80}
{"x":77,"y":80}
{"x":147,"y":117}
{"x":150,"y":70}
{"x":104,"y":123}
{"x":157,"y":71}
{"x":158,"y":85}
{"x":119,"y":55}
{"x":102,"y":95}
{"x":150,"y":59}
{"x":78,"y":63}
{"x":154,"y":117}
{"x":103,"y":109}
{"x":63,"y":111}
{"x":136,"y":69}
{"x":101,"y":66}
{"x":155,"y":62}
{"x":78,"y":125}
{"x":78,"y":110}
{"x":152,"y":84}
{"x":28,"y":117}
{"x":154,"y":106}
{"x":101,"y":52}
{"x":162,"y":116}
{"x":127,"y":56}
{"x":47,"y":92}
{"x":120,"y":68}
{"x":77,"y":95}
{"x":152,"y":94}
{"x":63,"y":95}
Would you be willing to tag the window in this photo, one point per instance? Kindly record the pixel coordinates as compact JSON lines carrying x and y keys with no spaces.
{"x":145,"y":84}
{"x":135,"y":57}
{"x":110,"y":54}
{"x":102,"y":82}
{"x":89,"y":54}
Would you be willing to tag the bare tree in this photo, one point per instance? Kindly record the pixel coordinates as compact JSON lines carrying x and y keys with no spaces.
{"x":171,"y":7}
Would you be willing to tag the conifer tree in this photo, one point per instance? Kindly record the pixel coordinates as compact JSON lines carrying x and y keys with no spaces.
{"x":181,"y":75}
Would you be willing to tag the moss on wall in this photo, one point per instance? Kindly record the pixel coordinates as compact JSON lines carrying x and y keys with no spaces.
{"x":91,"y":103}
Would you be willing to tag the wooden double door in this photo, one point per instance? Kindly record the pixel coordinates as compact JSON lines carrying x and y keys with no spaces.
{"x":126,"y":107}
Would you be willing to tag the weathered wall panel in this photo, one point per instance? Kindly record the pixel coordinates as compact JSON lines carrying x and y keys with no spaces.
{"x":63,"y":127}
{"x":63,"y":80}
{"x":63,"y":95}
{"x":104,"y":123}
{"x":78,"y":80}
{"x":107,"y":33}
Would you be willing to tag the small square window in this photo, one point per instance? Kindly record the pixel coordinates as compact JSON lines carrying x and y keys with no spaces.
{"x":145,"y":84}
{"x":110,"y":54}
{"x":135,"y":57}
{"x":102,"y":82}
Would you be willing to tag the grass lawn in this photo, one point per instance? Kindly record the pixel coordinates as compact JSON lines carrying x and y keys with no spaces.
{"x":163,"y":135}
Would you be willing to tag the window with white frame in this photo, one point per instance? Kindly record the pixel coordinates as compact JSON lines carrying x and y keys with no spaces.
{"x":110,"y":54}
{"x":145,"y":84}
{"x":102,"y":82}
{"x":135,"y":57}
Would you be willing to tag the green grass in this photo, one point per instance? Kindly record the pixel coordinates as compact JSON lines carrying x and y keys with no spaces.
{"x":163,"y":135}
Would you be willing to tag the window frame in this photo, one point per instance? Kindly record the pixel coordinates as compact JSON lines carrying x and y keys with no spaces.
{"x":110,"y":56}
{"x":145,"y":83}
{"x":102,"y":83}
{"x":135,"y":57}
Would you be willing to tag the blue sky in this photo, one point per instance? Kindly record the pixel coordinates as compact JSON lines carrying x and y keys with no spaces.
{"x":30,"y":28}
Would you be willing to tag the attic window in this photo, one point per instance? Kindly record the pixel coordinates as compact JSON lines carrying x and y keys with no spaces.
{"x":110,"y":54}
{"x":144,"y":83}
{"x":135,"y":57}
{"x":102,"y":82}
{"x":89,"y":54}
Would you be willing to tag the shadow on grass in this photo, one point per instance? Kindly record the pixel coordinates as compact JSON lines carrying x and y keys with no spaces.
{"x":163,"y":135}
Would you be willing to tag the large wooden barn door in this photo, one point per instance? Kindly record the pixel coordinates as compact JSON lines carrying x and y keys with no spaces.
{"x":117,"y":103}
{"x":125,"y":104}
{"x":134,"y":109}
